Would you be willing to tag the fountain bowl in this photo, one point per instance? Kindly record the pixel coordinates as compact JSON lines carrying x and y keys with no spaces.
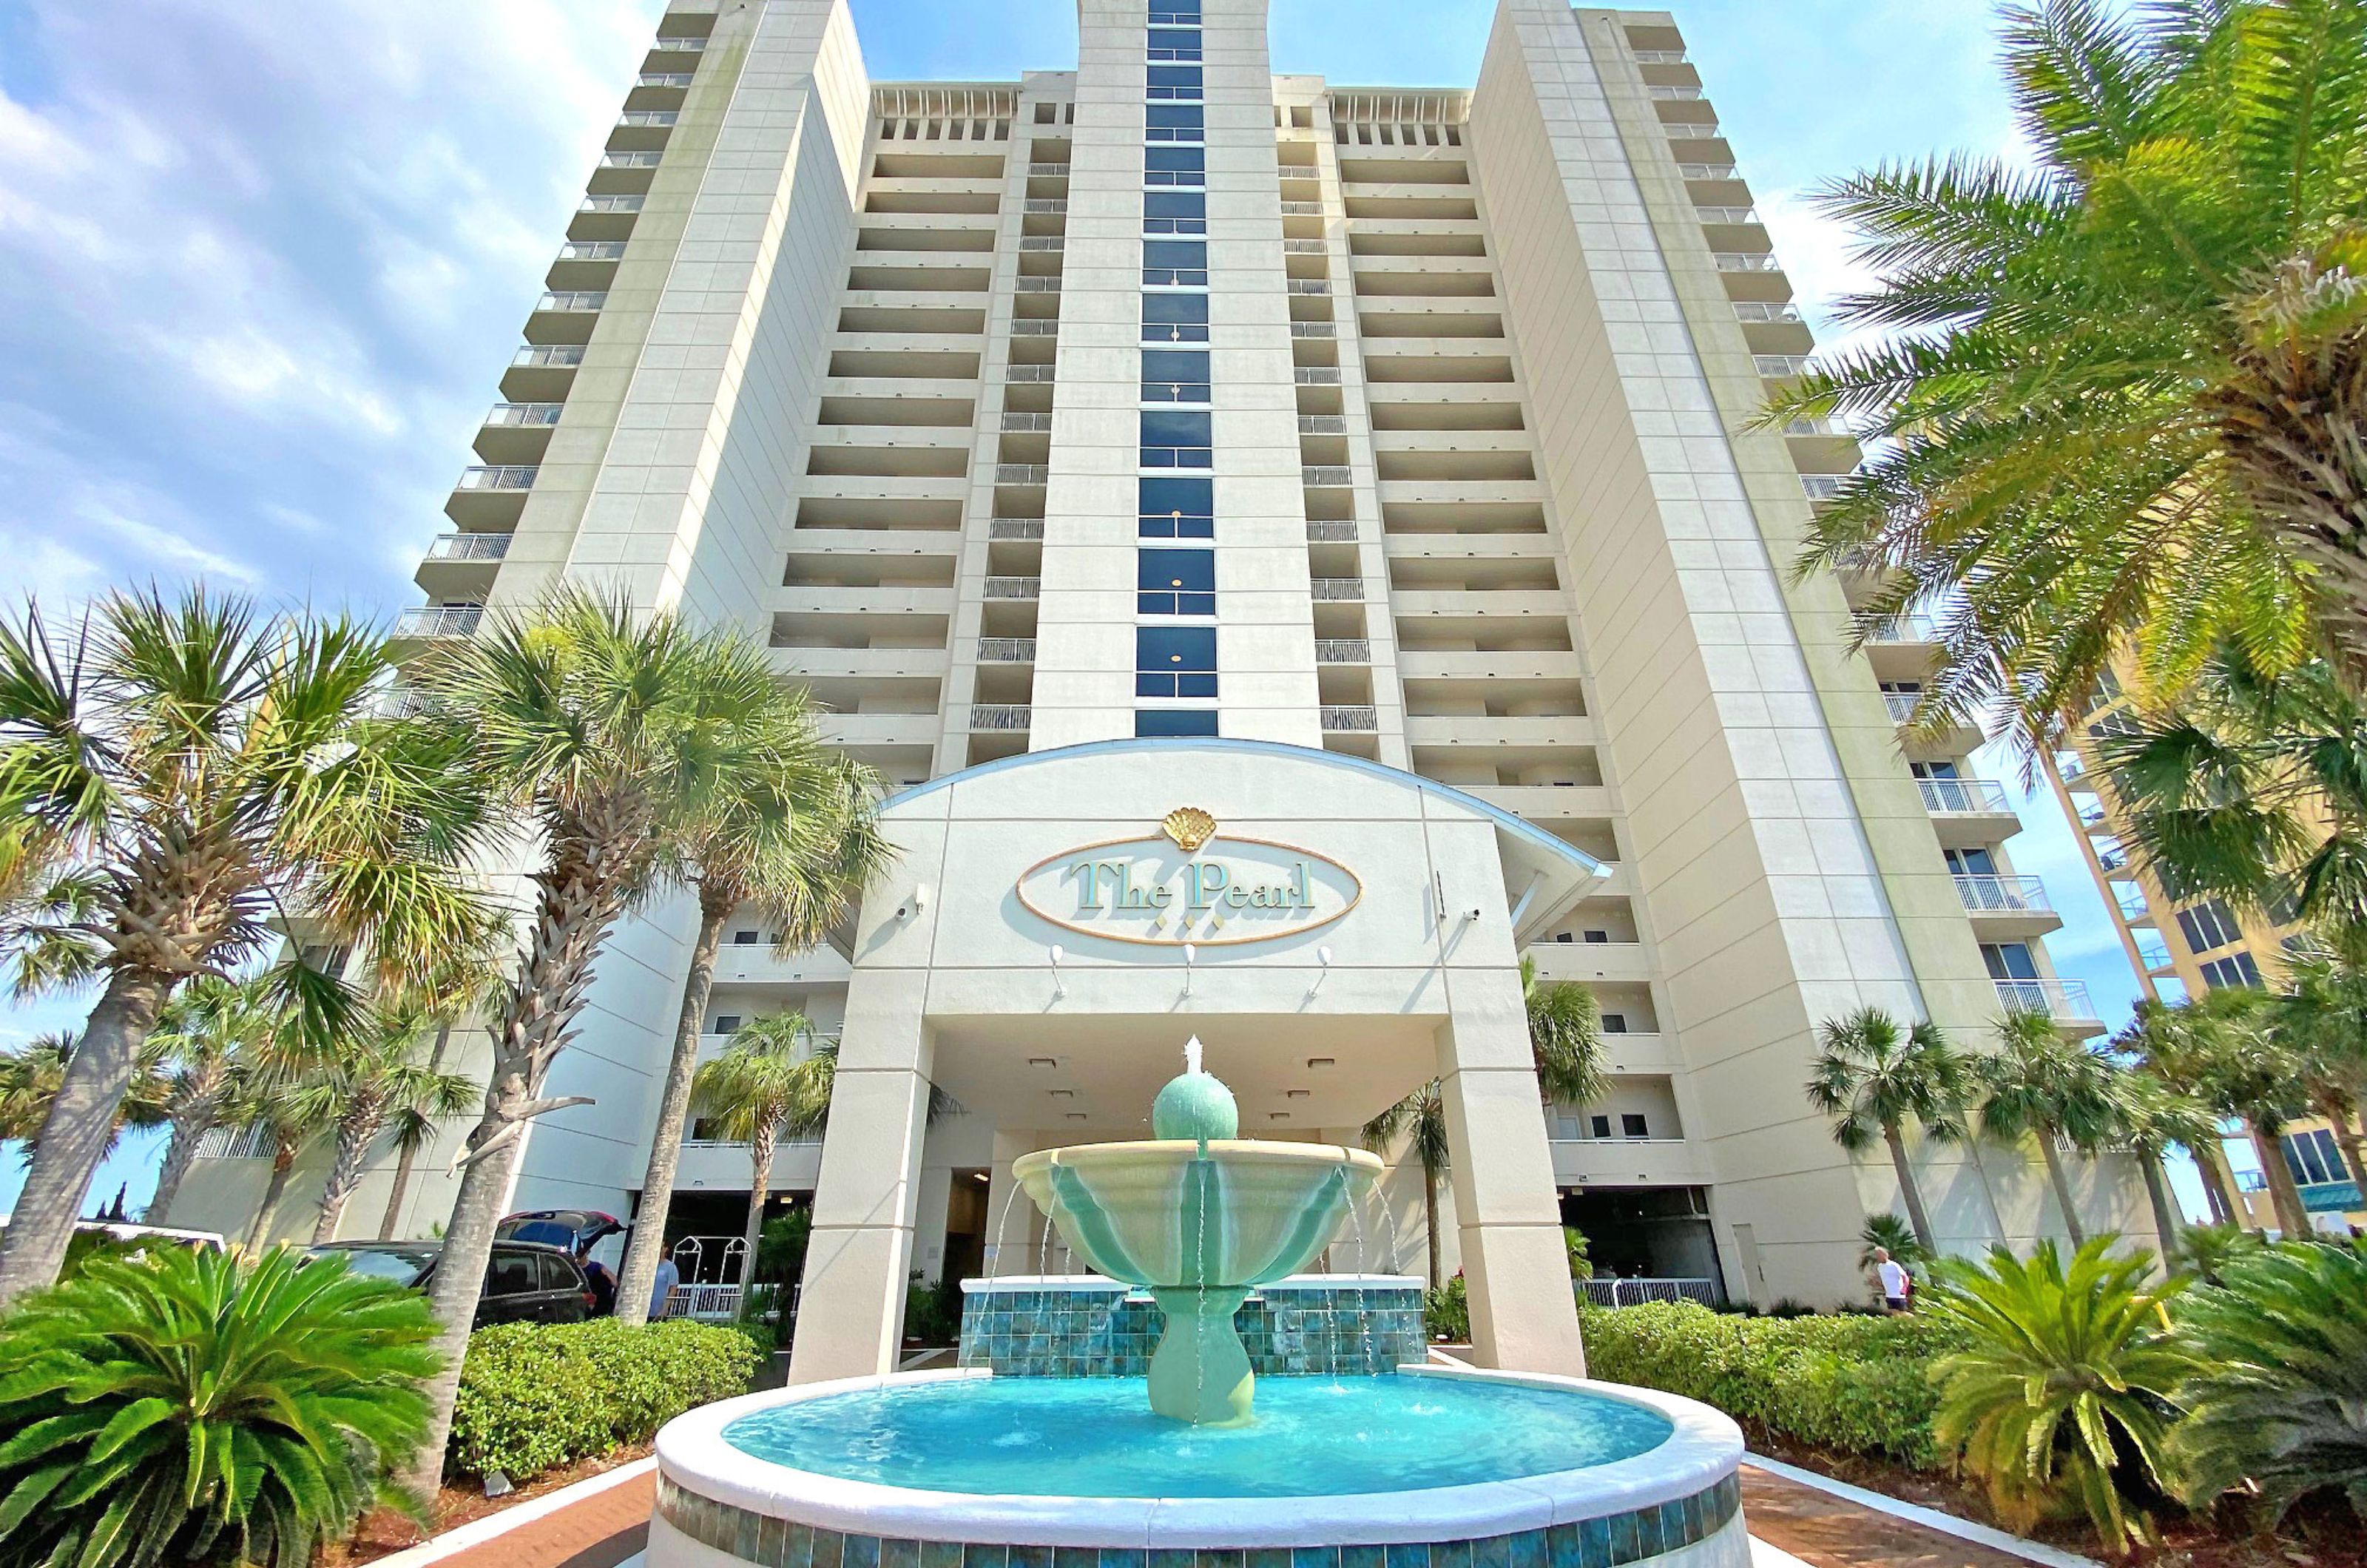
{"x":1201,"y":1223}
{"x":776,"y":1478}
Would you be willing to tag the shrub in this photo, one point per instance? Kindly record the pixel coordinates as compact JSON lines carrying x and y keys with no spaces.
{"x":1858,"y":1384}
{"x":2280,"y":1381}
{"x":535,"y":1397}
{"x":1446,"y":1311}
{"x":2060,"y":1397}
{"x":1573,"y":1246}
{"x":932,"y":1312}
{"x":191,"y":1407}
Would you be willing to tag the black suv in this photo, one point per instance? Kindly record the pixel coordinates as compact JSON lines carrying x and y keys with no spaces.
{"x":524,"y":1283}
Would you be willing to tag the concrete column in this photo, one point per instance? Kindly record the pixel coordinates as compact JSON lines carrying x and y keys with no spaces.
{"x":1523,"y":1312}
{"x":850,"y":1320}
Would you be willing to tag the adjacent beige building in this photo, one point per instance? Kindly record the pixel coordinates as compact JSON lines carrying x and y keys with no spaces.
{"x":1366,"y":468}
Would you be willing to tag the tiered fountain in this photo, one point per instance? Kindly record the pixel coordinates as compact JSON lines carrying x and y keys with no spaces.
{"x":1439,"y":1464}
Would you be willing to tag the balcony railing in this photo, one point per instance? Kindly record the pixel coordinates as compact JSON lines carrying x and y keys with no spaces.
{"x":1304,"y":247}
{"x":1014,"y":587}
{"x":1905,"y":628}
{"x":1045,"y":203}
{"x":1021,"y":423}
{"x":1901,"y":705}
{"x":1014,"y":527}
{"x":1044,"y":241}
{"x":1760,"y":311}
{"x":609,"y":204}
{"x":1036,"y":285}
{"x":1315,"y":329}
{"x":1727,"y":214}
{"x":469,"y":546}
{"x":501,"y":476}
{"x":573,"y":300}
{"x":592,"y":250}
{"x":658,"y":119}
{"x":1331,"y":531}
{"x":1986,"y":895}
{"x":1033,"y":375}
{"x":2053,"y":999}
{"x":1302,"y":209}
{"x":1746,"y":261}
{"x":1031,"y":326}
{"x":1306,"y":285}
{"x":1343,"y":651}
{"x":1822,"y":487}
{"x":1778,"y":364}
{"x":1322,"y":424}
{"x":556,"y":354}
{"x":998,"y":715}
{"x":1325,"y":476}
{"x":1316,"y":375}
{"x":1816,"y":424}
{"x":664,"y":79}
{"x":439,"y":621}
{"x":1662,"y":93}
{"x":1706,"y":171}
{"x":1350,"y":720}
{"x":1694,"y":131}
{"x":1048,"y":171}
{"x":681,"y":45}
{"x":525,"y":415}
{"x":1337,"y":590}
{"x":1963,"y":796}
{"x":1006,"y":651}
{"x":1021,"y":473}
{"x":644,"y":160}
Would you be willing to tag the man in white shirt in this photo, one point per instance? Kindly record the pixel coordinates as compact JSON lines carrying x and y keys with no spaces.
{"x":1895,"y":1286}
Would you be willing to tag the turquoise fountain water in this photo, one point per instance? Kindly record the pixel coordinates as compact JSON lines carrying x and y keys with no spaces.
{"x":1201,"y":1217}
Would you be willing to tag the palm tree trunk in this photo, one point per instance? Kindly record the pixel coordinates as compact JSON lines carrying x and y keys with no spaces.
{"x":2337,"y":1112}
{"x":2216,"y":1191}
{"x":282,"y":1161}
{"x":409,"y":1156}
{"x":76,"y":1132}
{"x":2284,"y":1195}
{"x":356,"y":1133}
{"x":189,"y":1129}
{"x":2060,"y":1180}
{"x":640,"y":1274}
{"x":1429,"y":1218}
{"x":1912,"y":1194}
{"x":760,"y":1186}
{"x":2165,"y":1216}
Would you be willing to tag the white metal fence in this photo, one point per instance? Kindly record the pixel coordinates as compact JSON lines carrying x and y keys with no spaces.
{"x":1630,"y":1292}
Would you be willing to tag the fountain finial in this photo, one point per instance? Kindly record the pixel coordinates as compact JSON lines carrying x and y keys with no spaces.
{"x":1196,"y":1105}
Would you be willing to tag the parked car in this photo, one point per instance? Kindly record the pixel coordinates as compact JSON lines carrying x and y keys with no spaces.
{"x":524,"y":1283}
{"x":572,"y":1229}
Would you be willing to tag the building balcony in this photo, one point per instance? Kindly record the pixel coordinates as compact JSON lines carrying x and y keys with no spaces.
{"x":2007,"y":905}
{"x":1006,"y":651}
{"x":1331,"y":531}
{"x":542,"y":372}
{"x":1339,"y":718}
{"x":1548,"y":802}
{"x":565,"y":315}
{"x":878,"y":730}
{"x":585,"y":264}
{"x":861,"y":664}
{"x":1336,"y":590}
{"x":1628,"y":1162}
{"x":468,"y":547}
{"x":2065,"y":1001}
{"x":1512,"y":731}
{"x":1343,"y":651}
{"x":1013,"y":588}
{"x":1628,"y":962}
{"x":1969,"y":813}
{"x":436,"y":622}
{"x":755,"y":964}
{"x":999,"y":716}
{"x":837,"y":599}
{"x":516,"y":435}
{"x":489,"y":499}
{"x":1325,"y":476}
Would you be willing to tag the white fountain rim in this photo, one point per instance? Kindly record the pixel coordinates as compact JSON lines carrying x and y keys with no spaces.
{"x":1704,"y":1448}
{"x":1005,"y":1283}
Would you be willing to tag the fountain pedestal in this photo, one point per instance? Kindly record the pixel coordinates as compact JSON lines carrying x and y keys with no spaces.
{"x":1200,"y":1373}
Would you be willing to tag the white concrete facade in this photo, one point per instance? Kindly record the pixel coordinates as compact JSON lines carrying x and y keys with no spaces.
{"x":860,"y":367}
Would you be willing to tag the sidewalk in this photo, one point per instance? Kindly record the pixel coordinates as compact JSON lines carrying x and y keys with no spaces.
{"x":609,"y":1529}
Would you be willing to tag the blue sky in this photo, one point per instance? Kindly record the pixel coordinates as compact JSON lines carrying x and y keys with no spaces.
{"x":260,"y":264}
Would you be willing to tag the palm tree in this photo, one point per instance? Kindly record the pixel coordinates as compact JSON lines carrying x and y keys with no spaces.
{"x":32,"y":1073}
{"x":2218,"y":1048}
{"x":795,"y":838}
{"x":373,"y":1084}
{"x":209,"y":1029}
{"x":2321,"y":1018}
{"x":2150,"y":1117}
{"x":774,"y":1081}
{"x":2119,"y":393}
{"x":173,"y":775}
{"x":2041,"y":1085}
{"x":609,"y":732}
{"x":1873,"y":1078}
{"x":280,"y":1106}
{"x":1565,"y":1038}
{"x":1418,"y":1123}
{"x":2163,"y":1039}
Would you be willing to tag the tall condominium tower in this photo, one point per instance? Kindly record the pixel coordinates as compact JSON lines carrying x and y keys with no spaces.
{"x":1299,"y":552}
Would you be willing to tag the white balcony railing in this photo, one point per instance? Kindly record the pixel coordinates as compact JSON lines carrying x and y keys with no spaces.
{"x":1761,"y":310}
{"x":1727,"y":214}
{"x":499,"y":476}
{"x":1331,"y":531}
{"x":1021,"y":473}
{"x":1901,"y":705}
{"x":1014,"y":587}
{"x":1822,"y":487}
{"x":647,"y":119}
{"x":1325,"y":476}
{"x":525,"y":415}
{"x":2054,"y":998}
{"x":609,"y":204}
{"x":1905,"y":628}
{"x":553,"y":355}
{"x":1746,"y":261}
{"x":1315,"y":329}
{"x":1963,"y":796}
{"x":592,"y":250}
{"x":998,"y":715}
{"x":439,"y":621}
{"x":1337,"y":590}
{"x":1987,"y":895}
{"x":1777,"y":365}
{"x":573,"y":300}
{"x":1014,"y":527}
{"x":469,"y":546}
{"x":1006,"y":651}
{"x":1343,"y":651}
{"x":1323,"y":424}
{"x":1349,"y":718}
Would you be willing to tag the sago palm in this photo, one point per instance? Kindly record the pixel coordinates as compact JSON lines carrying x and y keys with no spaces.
{"x":1418,"y":1124}
{"x":212,"y":1030}
{"x":2122,"y":388}
{"x":773,"y":1081}
{"x":173,"y":775}
{"x":2064,"y":1379}
{"x":2038,"y":1085}
{"x":192,"y":1408}
{"x":608,"y":732}
{"x":2278,"y":1393}
{"x":793,"y":838}
{"x":1873,"y":1078}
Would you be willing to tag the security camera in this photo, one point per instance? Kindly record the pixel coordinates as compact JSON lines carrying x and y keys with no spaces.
{"x":1470,"y":914}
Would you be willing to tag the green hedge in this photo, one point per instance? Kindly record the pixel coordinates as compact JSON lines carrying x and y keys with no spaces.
{"x":1855,"y":1383}
{"x":535,"y":1397}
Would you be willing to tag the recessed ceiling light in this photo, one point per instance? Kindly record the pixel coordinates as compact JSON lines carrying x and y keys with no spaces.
{"x":1062,"y":1093}
{"x":1321,"y":1062}
{"x":1297,"y":1093}
{"x":1078,"y":1116}
{"x":1277,"y":1115}
{"x":1043,"y":1062}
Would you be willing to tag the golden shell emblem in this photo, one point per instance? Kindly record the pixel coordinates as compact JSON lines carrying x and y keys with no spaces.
{"x":1189,"y":826}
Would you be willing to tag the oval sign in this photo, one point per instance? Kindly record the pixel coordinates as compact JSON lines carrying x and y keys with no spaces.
{"x":1224,"y":892}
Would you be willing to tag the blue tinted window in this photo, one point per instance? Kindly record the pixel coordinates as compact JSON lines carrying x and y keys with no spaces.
{"x":1174,"y":212}
{"x":1175,"y":253}
{"x":1175,"y":376}
{"x":1175,"y":167}
{"x":1176,"y":507}
{"x":1174,"y":43}
{"x":1172,"y":82}
{"x":1175,"y":661}
{"x":1175,"y":439}
{"x":1174,"y":122}
{"x":1149,"y":722}
{"x":1175,"y":318}
{"x":1176,"y":582}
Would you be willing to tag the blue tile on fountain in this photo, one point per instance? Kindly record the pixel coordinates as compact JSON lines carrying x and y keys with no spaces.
{"x":978,"y":1556}
{"x":1314,"y":1557}
{"x":1413,"y":1556}
{"x":1594,"y":1543}
{"x":1526,"y":1549}
{"x":1031,"y":1557}
{"x":1489,"y":1551}
{"x":860,"y":1552}
{"x":827,"y":1548}
{"x":941,"y":1554}
{"x":900,"y":1553}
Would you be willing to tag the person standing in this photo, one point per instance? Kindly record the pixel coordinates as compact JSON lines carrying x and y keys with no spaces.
{"x":603,"y":1283}
{"x":1897,"y":1285}
{"x":661,"y":1290}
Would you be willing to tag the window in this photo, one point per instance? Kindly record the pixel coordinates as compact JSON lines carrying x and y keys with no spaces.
{"x":1152,"y":722}
{"x":2208,"y":925}
{"x":1173,"y":438}
{"x":1175,"y":318}
{"x":1176,"y":507}
{"x":1175,"y":376}
{"x":1172,"y":81}
{"x":1600,"y":1125}
{"x":1175,"y":167}
{"x":2315,"y":1157}
{"x":1176,"y":15}
{"x":2238,"y":969}
{"x":1176,"y":582}
{"x":1933,"y":769}
{"x":1174,"y":122}
{"x":557,"y":1273}
{"x":2009,"y":961}
{"x":1174,"y":43}
{"x":1631,"y":1125}
{"x":1175,"y":661}
{"x":511,"y":1274}
{"x":1174,"y":212}
{"x":1970,"y":863}
{"x":1614,"y":1023}
{"x":725,"y":1022}
{"x":1178,"y":262}
{"x":744,"y":939}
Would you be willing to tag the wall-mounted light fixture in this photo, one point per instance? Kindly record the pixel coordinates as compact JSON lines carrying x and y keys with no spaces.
{"x":1322,"y":957}
{"x":1191,"y":955}
{"x":1059,"y":987}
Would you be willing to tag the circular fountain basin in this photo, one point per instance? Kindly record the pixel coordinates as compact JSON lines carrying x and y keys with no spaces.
{"x":1445,"y":1467}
